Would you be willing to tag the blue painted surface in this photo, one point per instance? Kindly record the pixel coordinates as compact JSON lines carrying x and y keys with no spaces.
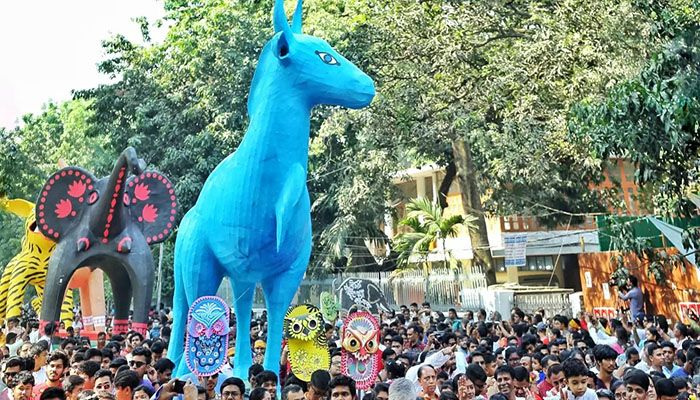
{"x":252,"y":219}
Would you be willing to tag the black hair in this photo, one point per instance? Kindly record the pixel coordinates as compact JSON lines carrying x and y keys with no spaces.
{"x":388,"y":352}
{"x":53,"y":393}
{"x":13,"y":362}
{"x":93,"y":352}
{"x":144,"y":389}
{"x":24,"y":378}
{"x":637,"y":377}
{"x":104,"y":372}
{"x":394,"y":370}
{"x":381,"y":387}
{"x":665,"y":387}
{"x":238,"y":382}
{"x":265,"y":376}
{"x":504,"y":369}
{"x":89,"y":368}
{"x":257,"y":394}
{"x":447,"y":395}
{"x":58,"y":355}
{"x":555,"y":369}
{"x":288,"y":389}
{"x":475,"y":373}
{"x":651,"y":348}
{"x":574,"y":367}
{"x":254,"y":370}
{"x":342,"y":380}
{"x":292,"y":379}
{"x":420,"y":369}
{"x":158,"y":347}
{"x":164,"y":364}
{"x":633,"y":280}
{"x":142,"y":351}
{"x":680,"y":383}
{"x":629,"y":352}
{"x":118,"y":362}
{"x":127,"y":378}
{"x":520,"y":373}
{"x":604,"y":352}
{"x":546,"y":360}
{"x":71,"y":382}
{"x":321,"y":380}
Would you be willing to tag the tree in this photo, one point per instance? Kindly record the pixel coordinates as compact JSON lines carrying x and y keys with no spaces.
{"x":428,"y":225}
{"x":30,"y":153}
{"x":484,"y":89}
{"x":652,"y":120}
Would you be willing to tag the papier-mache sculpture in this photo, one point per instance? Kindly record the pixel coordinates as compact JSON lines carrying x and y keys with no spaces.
{"x":109,"y":224}
{"x":306,"y":340}
{"x":360,"y":355}
{"x":206,"y":346}
{"x":29,"y":268}
{"x":252,"y":219}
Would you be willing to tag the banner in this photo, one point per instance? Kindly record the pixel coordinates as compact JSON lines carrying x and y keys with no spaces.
{"x":515,"y":249}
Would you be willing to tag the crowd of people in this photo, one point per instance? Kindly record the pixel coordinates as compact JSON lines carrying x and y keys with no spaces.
{"x":425,"y":354}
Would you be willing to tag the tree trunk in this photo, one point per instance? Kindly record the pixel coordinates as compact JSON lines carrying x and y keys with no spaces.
{"x":471,"y":202}
{"x":450,"y":172}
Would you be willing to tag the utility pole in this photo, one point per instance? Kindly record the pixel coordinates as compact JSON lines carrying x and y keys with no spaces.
{"x":160,"y":276}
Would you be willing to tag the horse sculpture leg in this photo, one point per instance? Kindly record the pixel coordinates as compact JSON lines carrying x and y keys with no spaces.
{"x":193,"y":258}
{"x":279,"y":292}
{"x":243,"y":304}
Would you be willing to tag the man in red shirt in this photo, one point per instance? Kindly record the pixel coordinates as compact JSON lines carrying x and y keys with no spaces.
{"x":55,"y":367}
{"x":553,"y":381}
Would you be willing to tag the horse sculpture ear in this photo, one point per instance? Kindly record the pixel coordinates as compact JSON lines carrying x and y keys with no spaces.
{"x":285,"y":40}
{"x":297,"y":19}
{"x":152,"y":205}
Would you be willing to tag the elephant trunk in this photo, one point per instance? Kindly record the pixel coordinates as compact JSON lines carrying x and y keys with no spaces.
{"x":110,"y":214}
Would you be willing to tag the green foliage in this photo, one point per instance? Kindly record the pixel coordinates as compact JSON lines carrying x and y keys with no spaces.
{"x":652,"y":120}
{"x":30,"y":153}
{"x":499,"y":77}
{"x":428,"y":225}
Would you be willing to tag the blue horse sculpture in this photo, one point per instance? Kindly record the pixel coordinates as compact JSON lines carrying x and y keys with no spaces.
{"x":252,"y":219}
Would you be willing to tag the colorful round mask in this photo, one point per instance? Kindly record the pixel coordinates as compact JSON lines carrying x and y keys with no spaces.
{"x":303,"y":328}
{"x":329,"y":306}
{"x":360,"y":349}
{"x":206,"y":346}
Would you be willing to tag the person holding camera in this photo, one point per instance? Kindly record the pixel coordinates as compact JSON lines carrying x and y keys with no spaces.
{"x":635,"y":296}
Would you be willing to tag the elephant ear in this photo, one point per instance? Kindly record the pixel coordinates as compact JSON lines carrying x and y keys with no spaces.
{"x":62,"y":201}
{"x":151,"y":198}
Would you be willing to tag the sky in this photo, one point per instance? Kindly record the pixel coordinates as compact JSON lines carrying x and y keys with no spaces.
{"x":49,"y":47}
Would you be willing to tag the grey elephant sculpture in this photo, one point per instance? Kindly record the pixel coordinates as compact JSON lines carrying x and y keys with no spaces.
{"x":108,"y":224}
{"x":363,"y":293}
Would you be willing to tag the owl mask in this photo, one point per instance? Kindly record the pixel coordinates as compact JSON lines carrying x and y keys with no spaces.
{"x":207,"y":335}
{"x":308,"y":351}
{"x":360,"y":357}
{"x":329,"y":306}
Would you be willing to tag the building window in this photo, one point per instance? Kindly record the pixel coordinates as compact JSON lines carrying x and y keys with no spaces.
{"x":539,"y":263}
{"x":500,"y":264}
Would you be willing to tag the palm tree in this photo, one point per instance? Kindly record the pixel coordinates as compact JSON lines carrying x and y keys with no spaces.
{"x":428,"y":225}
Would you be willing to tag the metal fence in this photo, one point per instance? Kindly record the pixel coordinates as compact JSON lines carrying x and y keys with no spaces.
{"x":444,"y":288}
{"x":553,"y":302}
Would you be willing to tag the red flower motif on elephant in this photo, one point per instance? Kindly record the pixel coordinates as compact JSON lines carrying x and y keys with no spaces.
{"x":64,"y":208}
{"x":149,"y":213}
{"x":76,"y":189}
{"x":142,"y":192}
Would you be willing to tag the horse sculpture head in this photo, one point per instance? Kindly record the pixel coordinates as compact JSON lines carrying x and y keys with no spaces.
{"x":307,"y":69}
